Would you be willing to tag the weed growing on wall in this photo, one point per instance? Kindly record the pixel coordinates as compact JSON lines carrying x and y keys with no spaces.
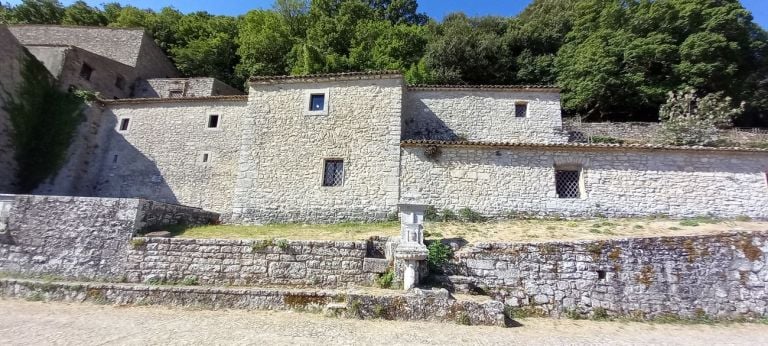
{"x":386,"y":279}
{"x":43,"y":121}
{"x":438,"y":255}
{"x":470,"y":215}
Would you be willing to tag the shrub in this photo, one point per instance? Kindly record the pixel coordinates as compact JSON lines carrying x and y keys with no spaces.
{"x":687,"y":119}
{"x":599,"y":314}
{"x":430,"y":214}
{"x":448,"y":215}
{"x":463,"y":319}
{"x":261,"y":245}
{"x":138,"y":242}
{"x":439,"y":254}
{"x":190,"y":281}
{"x":386,"y":279}
{"x":470,"y":215}
{"x":282,"y":244}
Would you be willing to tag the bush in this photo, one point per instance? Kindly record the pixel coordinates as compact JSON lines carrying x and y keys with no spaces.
{"x":190,"y":281}
{"x":688,"y":119}
{"x":470,"y":215}
{"x":386,"y":279}
{"x":439,"y":254}
{"x":448,"y":215}
{"x":430,"y":214}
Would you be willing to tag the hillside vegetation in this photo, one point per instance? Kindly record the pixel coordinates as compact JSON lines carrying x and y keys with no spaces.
{"x":615,"y":59}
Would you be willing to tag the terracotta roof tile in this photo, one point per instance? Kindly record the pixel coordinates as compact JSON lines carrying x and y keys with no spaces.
{"x":174,"y":99}
{"x":426,"y":142}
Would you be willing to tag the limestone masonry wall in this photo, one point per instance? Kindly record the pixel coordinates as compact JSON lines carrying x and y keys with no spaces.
{"x":714,"y":275}
{"x":283,"y":151}
{"x":482,"y":115}
{"x":160,"y":156}
{"x":249,"y":262}
{"x":189,"y":87}
{"x":81,"y":237}
{"x":497,"y":181}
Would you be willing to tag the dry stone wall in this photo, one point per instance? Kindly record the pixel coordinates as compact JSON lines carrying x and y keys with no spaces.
{"x":620,"y":182}
{"x":81,"y":237}
{"x":721,"y":276}
{"x":283,"y":150}
{"x":160,"y":156}
{"x":482,"y":115}
{"x":249,"y":262}
{"x":189,"y":87}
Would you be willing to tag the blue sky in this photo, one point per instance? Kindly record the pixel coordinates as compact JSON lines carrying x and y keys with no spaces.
{"x":435,"y":8}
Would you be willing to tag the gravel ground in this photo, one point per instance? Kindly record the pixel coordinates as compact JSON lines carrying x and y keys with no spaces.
{"x":38,"y":323}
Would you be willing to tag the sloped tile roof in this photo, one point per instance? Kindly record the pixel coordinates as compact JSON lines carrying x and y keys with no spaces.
{"x":426,"y":142}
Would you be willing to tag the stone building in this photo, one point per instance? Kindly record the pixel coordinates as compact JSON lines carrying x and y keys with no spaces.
{"x":354,"y":145}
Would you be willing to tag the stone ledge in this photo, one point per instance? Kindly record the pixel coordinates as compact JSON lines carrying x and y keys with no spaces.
{"x":415,"y":305}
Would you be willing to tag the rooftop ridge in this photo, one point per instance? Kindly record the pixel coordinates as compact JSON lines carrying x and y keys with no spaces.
{"x":173,"y":99}
{"x":78,"y":27}
{"x":483,"y":86}
{"x":273,"y":79}
{"x":428,"y":142}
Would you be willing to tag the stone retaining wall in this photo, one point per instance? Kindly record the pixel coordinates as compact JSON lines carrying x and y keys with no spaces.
{"x":249,"y":262}
{"x":81,"y":237}
{"x":721,"y":276}
{"x":434,"y":305}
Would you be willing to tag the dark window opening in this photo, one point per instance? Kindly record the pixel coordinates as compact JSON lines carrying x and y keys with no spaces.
{"x":86,"y":71}
{"x":521,"y":110}
{"x":120,"y":82}
{"x":213,"y":121}
{"x":114,"y":159}
{"x":205,"y":158}
{"x":333,"y":174}
{"x":124,"y":124}
{"x":317,"y":102}
{"x":601,"y":274}
{"x":567,"y":183}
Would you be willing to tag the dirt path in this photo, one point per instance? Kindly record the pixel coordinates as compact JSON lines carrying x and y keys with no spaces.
{"x":37,"y":323}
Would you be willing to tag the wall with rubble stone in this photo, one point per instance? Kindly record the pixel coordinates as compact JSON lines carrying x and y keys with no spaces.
{"x":160,"y":156}
{"x":482,"y":115}
{"x":188,"y":87}
{"x":249,"y":262}
{"x":496,"y":181}
{"x":81,"y":237}
{"x":283,"y":150}
{"x":720,"y":275}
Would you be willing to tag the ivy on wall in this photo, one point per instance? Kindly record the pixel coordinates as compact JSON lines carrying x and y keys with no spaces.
{"x":43,"y":121}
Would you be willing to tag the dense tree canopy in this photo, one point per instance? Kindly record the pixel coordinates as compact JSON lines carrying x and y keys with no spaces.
{"x":614,"y":59}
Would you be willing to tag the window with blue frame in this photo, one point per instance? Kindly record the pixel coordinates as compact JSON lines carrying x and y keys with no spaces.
{"x":317,"y":102}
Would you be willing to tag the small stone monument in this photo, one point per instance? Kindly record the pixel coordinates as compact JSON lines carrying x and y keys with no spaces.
{"x":411,"y":252}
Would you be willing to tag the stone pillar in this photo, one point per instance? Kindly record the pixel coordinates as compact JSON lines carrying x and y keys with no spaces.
{"x":411,"y":252}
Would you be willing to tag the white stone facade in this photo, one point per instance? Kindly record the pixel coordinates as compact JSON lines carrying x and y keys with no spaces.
{"x":160,"y":155}
{"x":477,"y":114}
{"x":284,"y":147}
{"x":497,"y":181}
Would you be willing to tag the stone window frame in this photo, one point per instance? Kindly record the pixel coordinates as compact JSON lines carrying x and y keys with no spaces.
{"x":204,"y":158}
{"x":120,"y":124}
{"x":571,"y":167}
{"x":307,"y":105}
{"x":208,"y":122}
{"x":344,"y":164}
{"x":527,"y":109}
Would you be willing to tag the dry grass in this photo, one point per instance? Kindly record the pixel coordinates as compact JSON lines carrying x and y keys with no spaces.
{"x":508,"y":231}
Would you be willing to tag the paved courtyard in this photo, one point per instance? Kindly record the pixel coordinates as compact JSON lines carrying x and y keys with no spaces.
{"x":38,"y":323}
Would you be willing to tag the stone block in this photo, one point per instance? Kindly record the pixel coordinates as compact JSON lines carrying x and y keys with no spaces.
{"x":375,"y":265}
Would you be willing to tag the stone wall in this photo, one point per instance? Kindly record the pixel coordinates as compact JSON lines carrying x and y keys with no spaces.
{"x":714,"y":275}
{"x":482,"y":115}
{"x":81,"y":237}
{"x":614,"y":181}
{"x":648,"y":132}
{"x":160,"y":156}
{"x":283,"y":150}
{"x":188,"y":87}
{"x":249,"y":262}
{"x":10,"y":60}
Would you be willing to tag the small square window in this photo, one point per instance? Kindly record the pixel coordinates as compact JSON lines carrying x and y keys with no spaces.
{"x":333,"y":174}
{"x":521,"y":110}
{"x":174,"y":94}
{"x":316,"y":102}
{"x":120,"y":82}
{"x":205,"y":158}
{"x":125,"y":123}
{"x":213,"y":121}
{"x":567,"y":183}
{"x":86,"y":71}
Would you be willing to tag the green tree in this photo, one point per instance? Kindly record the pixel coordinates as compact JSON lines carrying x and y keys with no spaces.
{"x":264,"y":41}
{"x":130,"y":17}
{"x":691,"y":120}
{"x":205,"y":46}
{"x":6,"y":14}
{"x":79,"y":13}
{"x":295,"y":13}
{"x":398,"y":11}
{"x":38,"y":12}
{"x":380,"y":45}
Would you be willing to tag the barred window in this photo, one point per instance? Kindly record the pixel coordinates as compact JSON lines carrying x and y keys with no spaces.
{"x":521,"y":110}
{"x":333,"y":175}
{"x":567,"y":183}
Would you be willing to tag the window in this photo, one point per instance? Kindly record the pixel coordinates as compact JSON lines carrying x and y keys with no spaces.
{"x":521,"y":110}
{"x":86,"y":71}
{"x":205,"y":158}
{"x":567,"y":183}
{"x":213,"y":121}
{"x":175,"y":94}
{"x":316,"y":102}
{"x":120,"y":82}
{"x":333,"y":175}
{"x":114,"y":159}
{"x":125,"y":123}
